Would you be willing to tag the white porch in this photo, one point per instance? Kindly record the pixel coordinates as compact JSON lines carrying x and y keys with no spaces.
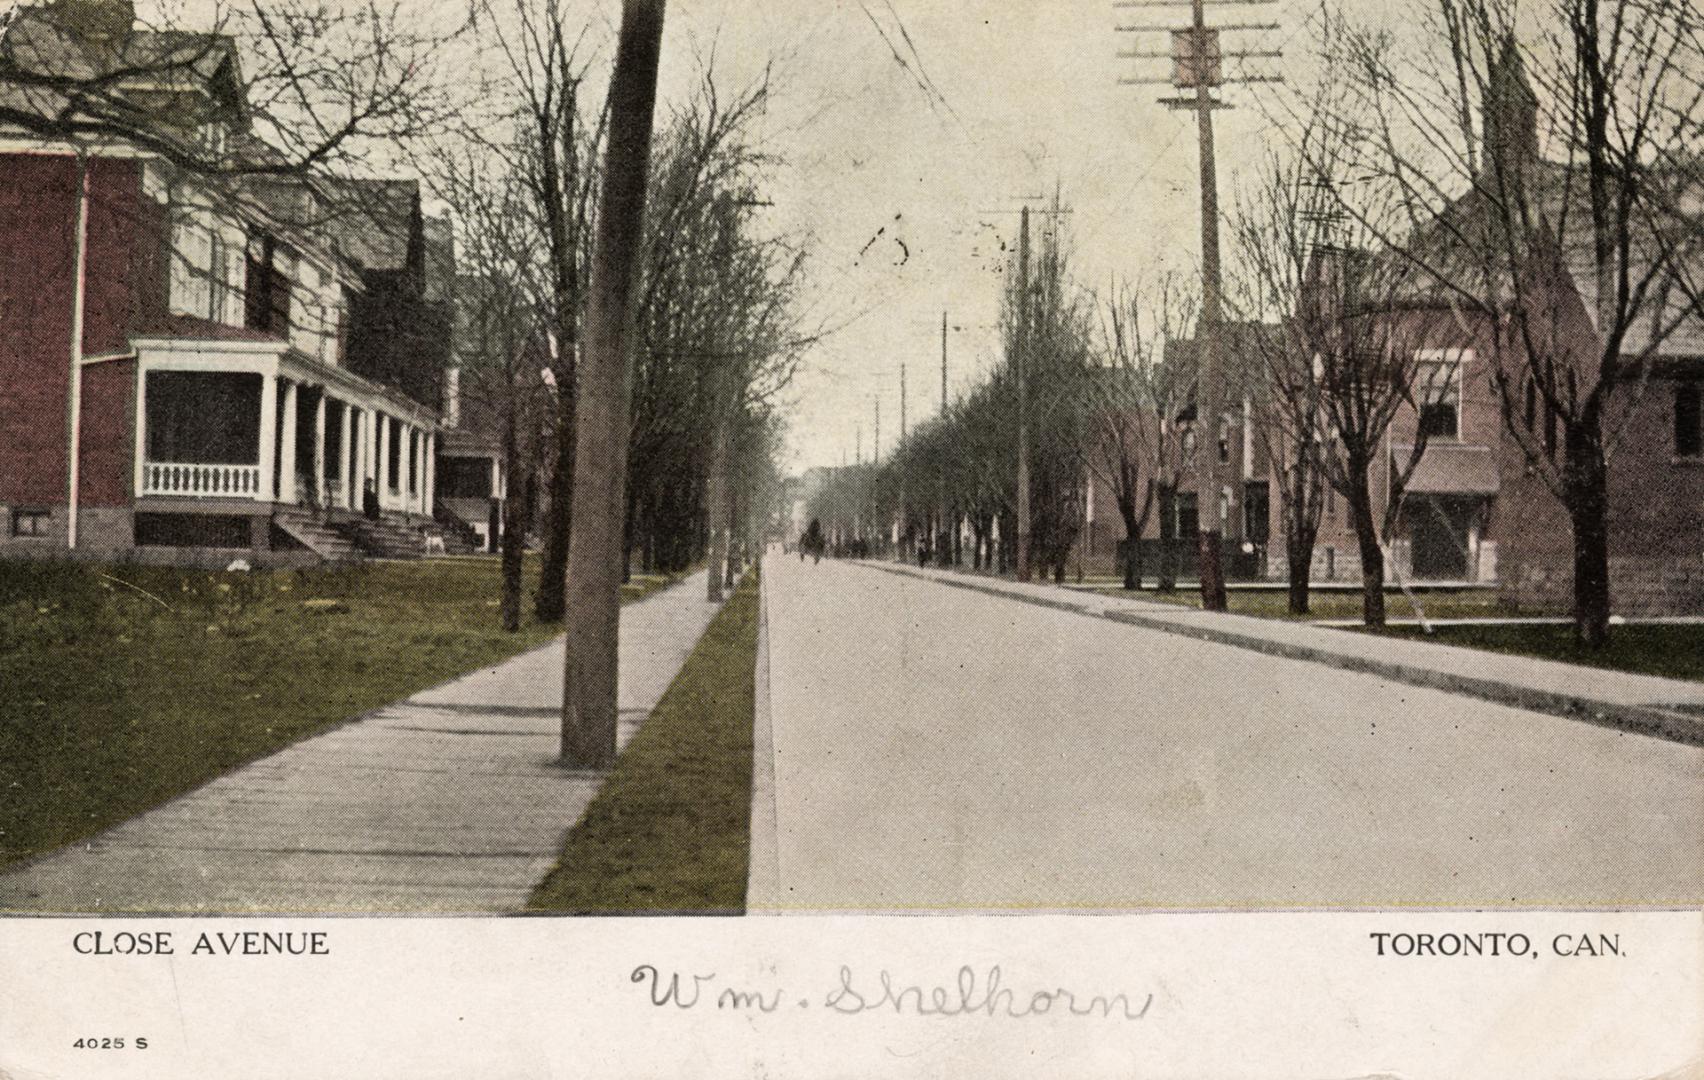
{"x":255,"y":421}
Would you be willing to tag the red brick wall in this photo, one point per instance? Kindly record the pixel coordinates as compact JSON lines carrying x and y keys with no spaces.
{"x":109,"y":440}
{"x":38,"y":222}
{"x":125,"y":286}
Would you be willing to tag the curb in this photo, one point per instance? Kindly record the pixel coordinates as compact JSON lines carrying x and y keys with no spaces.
{"x":1634,"y":719}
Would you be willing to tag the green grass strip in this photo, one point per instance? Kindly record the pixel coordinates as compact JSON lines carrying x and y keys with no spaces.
{"x":1672,"y":651}
{"x":670,"y":832}
{"x":124,"y":686}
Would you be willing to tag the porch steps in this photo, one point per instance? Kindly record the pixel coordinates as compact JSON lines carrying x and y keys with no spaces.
{"x":459,"y":537}
{"x":317,"y":536}
{"x":386,"y":538}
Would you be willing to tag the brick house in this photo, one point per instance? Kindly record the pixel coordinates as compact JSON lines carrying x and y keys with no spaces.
{"x":1476,"y":511}
{"x":189,"y":370}
{"x":1247,"y":488}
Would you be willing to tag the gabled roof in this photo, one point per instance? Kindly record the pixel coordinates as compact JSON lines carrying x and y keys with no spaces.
{"x":1558,"y":201}
{"x":72,"y":69}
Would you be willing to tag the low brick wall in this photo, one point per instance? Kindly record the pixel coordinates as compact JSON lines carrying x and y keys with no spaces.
{"x":1647,"y":587}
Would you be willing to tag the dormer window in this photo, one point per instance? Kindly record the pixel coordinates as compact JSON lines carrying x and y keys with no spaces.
{"x":214,"y":138}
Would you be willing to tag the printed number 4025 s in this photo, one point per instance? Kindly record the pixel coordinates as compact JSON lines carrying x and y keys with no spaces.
{"x":108,"y":1044}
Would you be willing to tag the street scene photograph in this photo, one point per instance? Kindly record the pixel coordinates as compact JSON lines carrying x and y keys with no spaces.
{"x":608,"y":457}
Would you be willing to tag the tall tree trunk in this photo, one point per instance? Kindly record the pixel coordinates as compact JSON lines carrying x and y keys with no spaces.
{"x":716,"y":512}
{"x":590,"y":670}
{"x":1298,"y":549}
{"x":548,"y":603}
{"x":1588,"y":512}
{"x":1360,"y":498}
{"x":1167,"y":582}
{"x":516,"y":512}
{"x":648,"y":535}
{"x":1132,"y":543}
{"x":1301,"y":529}
{"x":736,"y":540}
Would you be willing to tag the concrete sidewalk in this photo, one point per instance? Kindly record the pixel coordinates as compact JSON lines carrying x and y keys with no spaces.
{"x":448,"y":802}
{"x":1665,"y":708}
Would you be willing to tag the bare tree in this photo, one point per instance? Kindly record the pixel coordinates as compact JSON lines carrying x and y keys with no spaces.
{"x":1547,"y":162}
{"x":1288,"y":220}
{"x":1135,"y":444}
{"x":501,"y":332}
{"x":544,"y":53}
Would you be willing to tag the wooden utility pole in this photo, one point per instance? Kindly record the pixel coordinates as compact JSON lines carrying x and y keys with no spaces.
{"x":1197,"y":60}
{"x":1021,"y":361}
{"x":1210,"y":405}
{"x":943,"y":364}
{"x":941,"y":521}
{"x":904,"y":519}
{"x":595,"y":555}
{"x":876,"y":448}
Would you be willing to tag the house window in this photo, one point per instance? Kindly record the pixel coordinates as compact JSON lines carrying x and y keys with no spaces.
{"x":30,"y":522}
{"x":1438,"y":392}
{"x":1689,"y":419}
{"x":218,"y":279}
{"x":267,"y":289}
{"x":1188,"y":516}
{"x":191,"y":264}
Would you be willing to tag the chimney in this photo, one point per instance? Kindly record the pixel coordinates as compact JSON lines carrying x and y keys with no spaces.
{"x":104,"y":22}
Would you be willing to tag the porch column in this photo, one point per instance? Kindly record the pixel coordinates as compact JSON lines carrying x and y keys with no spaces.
{"x":141,"y":463}
{"x":346,"y":443}
{"x":404,"y":463}
{"x":360,"y":457}
{"x":319,"y":450}
{"x":287,"y":451}
{"x":429,"y":496}
{"x":420,"y":471}
{"x":384,"y":456}
{"x":268,"y":436}
{"x":372,"y":416}
{"x":496,"y":478}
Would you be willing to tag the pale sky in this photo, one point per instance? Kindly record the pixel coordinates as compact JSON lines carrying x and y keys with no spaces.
{"x":1024,"y":95}
{"x":1031,"y":98}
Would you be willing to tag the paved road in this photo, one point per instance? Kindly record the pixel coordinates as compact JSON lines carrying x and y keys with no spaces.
{"x":934,"y":747}
{"x":450,"y":801}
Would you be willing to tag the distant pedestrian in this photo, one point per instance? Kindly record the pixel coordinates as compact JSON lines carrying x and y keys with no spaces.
{"x":812,"y":542}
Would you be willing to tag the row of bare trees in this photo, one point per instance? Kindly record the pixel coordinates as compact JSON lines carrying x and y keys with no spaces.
{"x":715,"y":326}
{"x":1521,"y":180}
{"x":1507,"y":197}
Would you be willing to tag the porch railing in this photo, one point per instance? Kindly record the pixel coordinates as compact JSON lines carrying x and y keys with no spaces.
{"x":201,"y":481}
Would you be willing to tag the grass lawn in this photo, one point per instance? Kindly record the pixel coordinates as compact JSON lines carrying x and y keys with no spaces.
{"x":1275,"y":603}
{"x":670,"y":833}
{"x":122,"y":686}
{"x":1673,"y":651}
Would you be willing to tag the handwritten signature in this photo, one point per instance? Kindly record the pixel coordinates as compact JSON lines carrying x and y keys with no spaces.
{"x":970,"y":994}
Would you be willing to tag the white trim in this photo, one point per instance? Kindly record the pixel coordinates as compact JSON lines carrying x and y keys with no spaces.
{"x":106,"y":148}
{"x":268,"y":435}
{"x":319,"y":450}
{"x":287,"y":491}
{"x":209,"y":345}
{"x":73,"y":466}
{"x":345,"y":442}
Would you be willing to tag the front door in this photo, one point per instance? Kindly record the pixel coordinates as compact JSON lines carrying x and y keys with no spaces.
{"x":1438,"y":527}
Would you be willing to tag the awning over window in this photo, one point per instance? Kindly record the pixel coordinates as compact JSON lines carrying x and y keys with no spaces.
{"x":1449,"y":468}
